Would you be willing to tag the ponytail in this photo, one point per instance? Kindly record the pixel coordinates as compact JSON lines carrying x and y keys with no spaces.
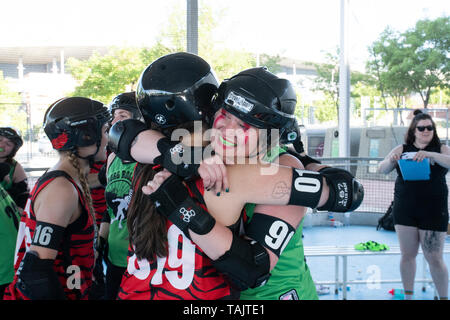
{"x":85,"y":186}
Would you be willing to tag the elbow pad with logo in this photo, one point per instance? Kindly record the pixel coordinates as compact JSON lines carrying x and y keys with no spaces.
{"x":346,"y":193}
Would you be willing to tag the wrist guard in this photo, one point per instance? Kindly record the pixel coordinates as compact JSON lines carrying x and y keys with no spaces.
{"x":346,"y":193}
{"x":180,"y":160}
{"x":173,"y":201}
{"x":122,"y":135}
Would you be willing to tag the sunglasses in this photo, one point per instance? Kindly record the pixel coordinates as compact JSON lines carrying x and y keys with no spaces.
{"x":422,"y":128}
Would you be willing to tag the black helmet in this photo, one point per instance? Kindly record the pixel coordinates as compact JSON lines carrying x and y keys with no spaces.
{"x":14,"y":136}
{"x":126,"y":101}
{"x":258,"y":98}
{"x":75,"y":122}
{"x":175,"y":89}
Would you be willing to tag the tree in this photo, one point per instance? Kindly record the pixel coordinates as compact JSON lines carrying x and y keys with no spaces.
{"x":11,"y":108}
{"x":383,"y":66}
{"x":327,"y":81}
{"x":103,"y":77}
{"x":413,"y":61}
{"x":428,"y":63}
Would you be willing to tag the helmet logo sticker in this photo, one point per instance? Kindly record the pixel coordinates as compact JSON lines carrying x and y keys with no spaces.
{"x":160,"y":119}
{"x":60,"y":141}
{"x":238,"y":102}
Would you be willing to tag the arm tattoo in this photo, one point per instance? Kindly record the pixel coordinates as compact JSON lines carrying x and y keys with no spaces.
{"x":280,"y":190}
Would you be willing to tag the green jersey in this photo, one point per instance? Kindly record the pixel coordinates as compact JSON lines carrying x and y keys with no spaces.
{"x":291,"y":278}
{"x":9,"y":224}
{"x":118,"y":193}
{"x":7,"y":183}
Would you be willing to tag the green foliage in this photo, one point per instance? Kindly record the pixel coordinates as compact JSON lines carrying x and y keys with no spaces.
{"x":327,"y":82}
{"x":103,"y":77}
{"x":415,"y":61}
{"x":13,"y":112}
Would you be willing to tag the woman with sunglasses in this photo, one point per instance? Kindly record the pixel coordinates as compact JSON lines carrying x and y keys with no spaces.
{"x":420,"y":207}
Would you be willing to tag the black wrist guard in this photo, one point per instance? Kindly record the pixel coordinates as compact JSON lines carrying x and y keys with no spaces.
{"x":180,"y":160}
{"x":122,"y":135}
{"x":346,"y":193}
{"x":173,"y":201}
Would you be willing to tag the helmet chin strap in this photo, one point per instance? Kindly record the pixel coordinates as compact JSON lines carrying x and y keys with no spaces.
{"x":90,"y":158}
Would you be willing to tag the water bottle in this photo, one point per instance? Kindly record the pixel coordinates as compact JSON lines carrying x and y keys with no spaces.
{"x":398,"y":294}
{"x":347,"y":219}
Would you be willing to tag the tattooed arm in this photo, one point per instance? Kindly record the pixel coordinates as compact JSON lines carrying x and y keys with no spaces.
{"x":259,"y":184}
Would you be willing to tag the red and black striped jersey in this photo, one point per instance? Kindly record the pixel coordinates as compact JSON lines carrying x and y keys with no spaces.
{"x":75,"y":259}
{"x":185,"y":274}
{"x":98,"y":195}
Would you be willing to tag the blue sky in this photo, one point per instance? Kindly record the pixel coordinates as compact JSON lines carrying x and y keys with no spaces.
{"x":300,"y":29}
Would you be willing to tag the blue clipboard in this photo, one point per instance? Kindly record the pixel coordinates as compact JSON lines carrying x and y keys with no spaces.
{"x":414,"y":170}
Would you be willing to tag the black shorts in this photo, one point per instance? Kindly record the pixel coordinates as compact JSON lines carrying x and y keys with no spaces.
{"x":425,"y":213}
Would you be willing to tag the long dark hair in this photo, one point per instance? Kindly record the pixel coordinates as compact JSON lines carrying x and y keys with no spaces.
{"x":410,"y":134}
{"x":147,"y":229}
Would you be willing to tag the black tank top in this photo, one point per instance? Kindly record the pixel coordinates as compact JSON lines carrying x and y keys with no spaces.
{"x":435,"y":186}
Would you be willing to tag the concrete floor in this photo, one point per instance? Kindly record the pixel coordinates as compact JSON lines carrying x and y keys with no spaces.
{"x":363,"y":267}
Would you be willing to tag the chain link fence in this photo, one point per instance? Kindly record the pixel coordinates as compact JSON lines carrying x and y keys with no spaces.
{"x":378,"y":188}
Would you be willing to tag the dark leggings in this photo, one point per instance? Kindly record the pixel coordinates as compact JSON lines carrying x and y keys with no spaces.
{"x":113,"y":280}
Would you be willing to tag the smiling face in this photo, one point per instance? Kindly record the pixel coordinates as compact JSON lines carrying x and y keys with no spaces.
{"x":233,"y":139}
{"x":6,"y":147}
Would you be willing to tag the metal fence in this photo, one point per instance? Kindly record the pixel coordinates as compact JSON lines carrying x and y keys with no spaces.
{"x":378,"y":188}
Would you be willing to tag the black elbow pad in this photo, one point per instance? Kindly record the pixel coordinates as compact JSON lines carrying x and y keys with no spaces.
{"x":37,"y":280}
{"x":122,"y":135}
{"x":246,"y":264}
{"x":102,"y":176}
{"x":19,"y":192}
